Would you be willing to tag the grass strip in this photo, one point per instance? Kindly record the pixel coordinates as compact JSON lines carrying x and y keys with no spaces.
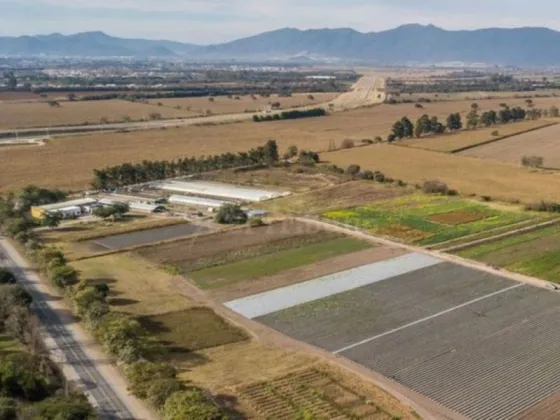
{"x":545,"y":266}
{"x":227,"y":274}
{"x":253,"y":251}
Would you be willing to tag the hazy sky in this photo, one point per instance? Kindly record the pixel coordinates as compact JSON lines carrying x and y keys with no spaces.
{"x":209,"y":21}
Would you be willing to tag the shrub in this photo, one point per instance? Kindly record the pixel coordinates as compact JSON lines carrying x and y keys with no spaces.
{"x":8,"y":409}
{"x":435,"y":187}
{"x":190,"y":404}
{"x":161,"y":389}
{"x":532,"y":161}
{"x":72,"y":407}
{"x":353,"y":170}
{"x":141,"y":374}
{"x":495,"y":133}
{"x":368,"y":141}
{"x":452,"y":192}
{"x":7,"y":277}
{"x":231,"y":214}
{"x":347,"y":144}
{"x":368,"y":175}
{"x":420,"y":106}
{"x":544,"y":206}
{"x":486,"y":198}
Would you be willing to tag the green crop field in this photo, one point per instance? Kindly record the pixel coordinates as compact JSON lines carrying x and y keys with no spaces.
{"x":534,"y":253}
{"x":267,"y":265}
{"x":426,"y":219}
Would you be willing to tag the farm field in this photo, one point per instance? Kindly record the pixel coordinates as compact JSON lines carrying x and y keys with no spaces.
{"x":8,"y":345}
{"x":194,"y":329}
{"x":451,"y":333}
{"x":72,"y":238}
{"x":60,"y":163}
{"x":449,"y":143}
{"x":296,"y":179}
{"x":535,"y":253}
{"x":352,"y":193}
{"x":145,"y":237}
{"x":191,"y":254}
{"x":468,"y":175}
{"x":426,"y":219}
{"x":225,"y":105}
{"x":269,"y":264}
{"x":39,"y":114}
{"x":137,"y":287}
{"x":318,"y":393}
{"x":543,"y":142}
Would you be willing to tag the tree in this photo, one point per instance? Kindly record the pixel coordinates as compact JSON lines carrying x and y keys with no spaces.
{"x":347,"y":144}
{"x":408,"y":128}
{"x":353,"y":170}
{"x":114,"y":211}
{"x":231,"y":214}
{"x":14,"y":295}
{"x":71,"y":97}
{"x":553,"y":112}
{"x":121,"y":336}
{"x":190,"y":404}
{"x":161,"y":389}
{"x":397,"y":131}
{"x":72,"y":407}
{"x":8,"y":409}
{"x":292,"y":151}
{"x":140,"y":375}
{"x":474,"y":106}
{"x":454,"y":122}
{"x":271,"y":154}
{"x":7,"y":277}
{"x":18,"y":225}
{"x":63,"y":276}
{"x":473,"y":119}
{"x":423,"y":126}
{"x":51,"y":220}
{"x":504,"y":115}
{"x":11,"y":81}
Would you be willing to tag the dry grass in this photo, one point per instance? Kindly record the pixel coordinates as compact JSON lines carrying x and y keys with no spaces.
{"x":349,"y":194}
{"x":452,"y":142}
{"x":542,"y":142}
{"x":225,"y":105}
{"x":478,"y":96}
{"x":281,"y":178}
{"x":137,"y":287}
{"x":29,"y":115}
{"x":468,"y":175}
{"x":68,"y":162}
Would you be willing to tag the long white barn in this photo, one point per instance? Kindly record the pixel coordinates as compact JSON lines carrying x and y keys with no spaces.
{"x":218,"y":190}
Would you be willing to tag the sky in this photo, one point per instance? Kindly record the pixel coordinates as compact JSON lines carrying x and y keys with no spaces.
{"x":213,"y":21}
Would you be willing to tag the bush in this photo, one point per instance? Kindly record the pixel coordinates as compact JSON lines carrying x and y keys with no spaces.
{"x":161,"y":389}
{"x":231,"y":214}
{"x":191,"y":404}
{"x":420,"y":106}
{"x":8,"y":409}
{"x":63,"y":276}
{"x":347,"y":144}
{"x":486,"y":198}
{"x":72,"y":407}
{"x":353,"y":170}
{"x":452,"y":192}
{"x":495,"y":133}
{"x":544,"y":206}
{"x":532,"y":161}
{"x":141,"y":374}
{"x":368,"y":141}
{"x":435,"y":187}
{"x":7,"y":277}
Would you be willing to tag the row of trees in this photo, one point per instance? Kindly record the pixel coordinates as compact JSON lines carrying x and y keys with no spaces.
{"x":130,"y":174}
{"x":31,"y":385}
{"x":291,"y":115}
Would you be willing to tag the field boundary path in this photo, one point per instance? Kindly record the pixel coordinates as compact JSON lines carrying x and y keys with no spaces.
{"x":83,"y":363}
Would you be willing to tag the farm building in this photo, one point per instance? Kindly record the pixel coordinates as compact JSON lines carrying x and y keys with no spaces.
{"x":218,"y":190}
{"x":197,"y":201}
{"x":84,"y":205}
{"x":254,"y":214}
{"x":146,"y":208}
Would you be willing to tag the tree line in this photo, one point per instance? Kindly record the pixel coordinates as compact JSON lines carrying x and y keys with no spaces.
{"x":120,"y":335}
{"x":291,"y":115}
{"x":146,"y":171}
{"x":404,"y":128}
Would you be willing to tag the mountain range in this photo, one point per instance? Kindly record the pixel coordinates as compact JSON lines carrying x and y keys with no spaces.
{"x":408,"y":44}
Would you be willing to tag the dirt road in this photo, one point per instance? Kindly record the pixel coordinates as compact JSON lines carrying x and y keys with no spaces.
{"x":83,"y":363}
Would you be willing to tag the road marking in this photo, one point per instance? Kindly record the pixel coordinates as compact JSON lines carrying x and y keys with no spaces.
{"x":428,"y":318}
{"x":287,"y":297}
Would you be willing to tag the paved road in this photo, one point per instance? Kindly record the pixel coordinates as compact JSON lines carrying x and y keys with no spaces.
{"x":80,"y":365}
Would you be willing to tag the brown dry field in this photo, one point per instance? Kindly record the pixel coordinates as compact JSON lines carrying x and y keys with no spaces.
{"x":40,"y":114}
{"x":225,"y":105}
{"x":287,"y":179}
{"x":345,"y":195}
{"x":137,"y":287}
{"x":479,"y":96}
{"x":468,"y":175}
{"x":450,"y":142}
{"x":546,"y":409}
{"x":216,"y":243}
{"x":544,"y":142}
{"x":305,"y":273}
{"x":68,"y":162}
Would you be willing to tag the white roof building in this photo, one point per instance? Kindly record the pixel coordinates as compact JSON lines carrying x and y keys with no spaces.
{"x":218,"y":190}
{"x":145,"y":207}
{"x":197,"y":201}
{"x":67,"y":204}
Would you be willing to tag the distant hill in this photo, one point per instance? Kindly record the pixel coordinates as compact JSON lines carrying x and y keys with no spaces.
{"x":408,"y":44}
